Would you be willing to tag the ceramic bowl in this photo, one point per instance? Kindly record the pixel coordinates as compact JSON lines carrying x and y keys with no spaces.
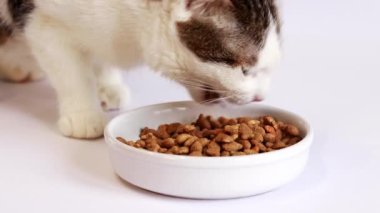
{"x":204,"y":177}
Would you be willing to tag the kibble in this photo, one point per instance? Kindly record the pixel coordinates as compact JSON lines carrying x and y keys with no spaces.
{"x":222,"y":136}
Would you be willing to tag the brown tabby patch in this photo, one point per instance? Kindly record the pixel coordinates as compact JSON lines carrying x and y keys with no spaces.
{"x":253,"y":17}
{"x":237,"y":39}
{"x":205,"y":41}
{"x":19,"y":10}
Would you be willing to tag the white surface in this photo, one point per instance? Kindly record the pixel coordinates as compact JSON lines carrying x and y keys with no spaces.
{"x":330,"y":73}
{"x":204,"y":177}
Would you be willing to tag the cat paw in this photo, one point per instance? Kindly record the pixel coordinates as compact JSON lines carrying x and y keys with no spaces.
{"x":113,"y":97}
{"x":82,"y":125}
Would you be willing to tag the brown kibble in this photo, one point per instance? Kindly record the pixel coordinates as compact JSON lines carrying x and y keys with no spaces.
{"x":163,"y":150}
{"x":231,"y":129}
{"x":183,"y":150}
{"x":252,"y":123}
{"x":196,"y":146}
{"x":278,"y":135}
{"x":190,"y":141}
{"x":204,"y":141}
{"x":293,"y":141}
{"x":281,"y":125}
{"x":262,"y":148}
{"x":246,"y":144}
{"x":174,"y":150}
{"x":278,"y":145}
{"x":225,"y":154}
{"x":215,"y":124}
{"x":146,"y":131}
{"x":234,"y":146}
{"x":218,"y":137}
{"x":256,"y":149}
{"x":144,"y":137}
{"x":182,"y":138}
{"x":154,"y":147}
{"x":259,"y":130}
{"x":130,"y":143}
{"x":189,"y":128}
{"x":243,"y":120}
{"x":136,"y":146}
{"x":212,"y":133}
{"x":213,"y":149}
{"x":233,"y":153}
{"x":172,"y":128}
{"x":141,"y":143}
{"x":235,"y":136}
{"x":285,"y":140}
{"x":168,"y":143}
{"x":148,"y":136}
{"x":245,"y":132}
{"x":270,"y":121}
{"x":269,"y":144}
{"x":203,"y":122}
{"x":221,"y":137}
{"x":197,"y":133}
{"x":292,"y":130}
{"x":196,"y":153}
{"x":270,"y":137}
{"x":251,"y":151}
{"x":223,"y":120}
{"x":162,"y":131}
{"x":180,"y":130}
{"x":232,"y":121}
{"x":258,"y":138}
{"x":269,"y":129}
{"x":152,"y":140}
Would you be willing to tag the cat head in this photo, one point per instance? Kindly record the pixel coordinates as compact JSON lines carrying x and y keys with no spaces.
{"x":222,"y":49}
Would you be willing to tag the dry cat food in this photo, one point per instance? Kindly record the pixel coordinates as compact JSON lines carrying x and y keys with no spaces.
{"x":218,"y":137}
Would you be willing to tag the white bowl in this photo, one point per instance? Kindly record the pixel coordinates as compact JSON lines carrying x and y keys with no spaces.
{"x":203,"y":177}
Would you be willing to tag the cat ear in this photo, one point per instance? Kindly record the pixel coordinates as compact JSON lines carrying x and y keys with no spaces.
{"x":208,"y":7}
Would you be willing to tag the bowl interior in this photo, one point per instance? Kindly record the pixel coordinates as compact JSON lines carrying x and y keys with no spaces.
{"x":128,"y":125}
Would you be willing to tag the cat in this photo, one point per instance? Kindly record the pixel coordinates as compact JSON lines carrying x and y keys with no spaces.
{"x":220,"y":50}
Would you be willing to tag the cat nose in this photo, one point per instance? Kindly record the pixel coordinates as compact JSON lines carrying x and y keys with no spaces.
{"x":257,"y":98}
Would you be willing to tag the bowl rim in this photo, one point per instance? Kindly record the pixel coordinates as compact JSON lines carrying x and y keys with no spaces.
{"x":207,"y":162}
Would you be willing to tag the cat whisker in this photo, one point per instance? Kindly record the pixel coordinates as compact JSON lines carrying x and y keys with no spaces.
{"x":197,"y":80}
{"x":201,"y":87}
{"x":190,"y":82}
{"x":215,"y":100}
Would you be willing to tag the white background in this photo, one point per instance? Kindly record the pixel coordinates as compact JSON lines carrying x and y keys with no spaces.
{"x":330,"y":73}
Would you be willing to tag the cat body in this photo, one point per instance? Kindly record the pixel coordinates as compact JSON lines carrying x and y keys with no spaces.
{"x":217,"y":49}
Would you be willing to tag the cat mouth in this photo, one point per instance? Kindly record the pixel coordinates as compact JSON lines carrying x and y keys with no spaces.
{"x":205,"y":94}
{"x":211,"y":97}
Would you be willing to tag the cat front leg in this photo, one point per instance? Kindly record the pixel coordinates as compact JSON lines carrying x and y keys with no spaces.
{"x":113,"y":94}
{"x":70,"y":72}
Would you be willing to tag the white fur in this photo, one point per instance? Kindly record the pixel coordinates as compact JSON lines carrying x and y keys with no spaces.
{"x":77,"y":43}
{"x":16,"y":61}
